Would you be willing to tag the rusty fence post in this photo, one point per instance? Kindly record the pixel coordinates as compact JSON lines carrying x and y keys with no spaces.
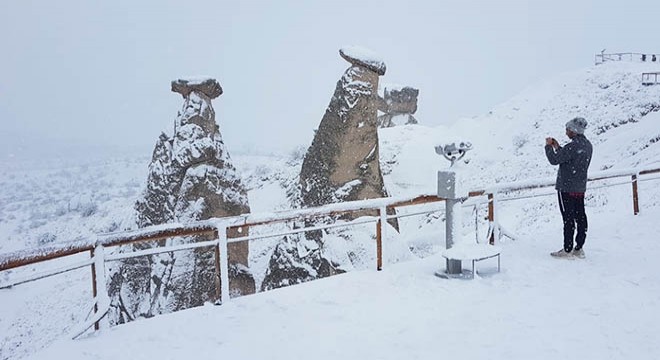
{"x":635,"y":195}
{"x":491,"y":219}
{"x":379,"y":243}
{"x":94,"y":289}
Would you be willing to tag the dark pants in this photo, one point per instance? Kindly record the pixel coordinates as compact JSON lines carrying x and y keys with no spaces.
{"x":571,"y":206}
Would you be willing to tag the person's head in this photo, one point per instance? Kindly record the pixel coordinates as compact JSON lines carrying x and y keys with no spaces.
{"x":575,"y":127}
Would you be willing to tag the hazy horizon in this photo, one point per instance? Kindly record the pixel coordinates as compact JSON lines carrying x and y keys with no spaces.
{"x":77,"y":75}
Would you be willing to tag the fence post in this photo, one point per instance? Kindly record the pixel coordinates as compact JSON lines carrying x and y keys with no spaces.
{"x":380,"y":234}
{"x":379,"y":247}
{"x":491,"y":219}
{"x":476,"y":223}
{"x":102,"y":298}
{"x":635,"y":196}
{"x":94,"y":290}
{"x":224,"y":264}
{"x":218,"y":289}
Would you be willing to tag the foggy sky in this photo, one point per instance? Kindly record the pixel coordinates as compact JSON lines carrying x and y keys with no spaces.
{"x":88,"y":76}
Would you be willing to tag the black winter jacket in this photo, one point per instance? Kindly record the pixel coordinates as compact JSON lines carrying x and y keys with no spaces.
{"x":573,"y":160}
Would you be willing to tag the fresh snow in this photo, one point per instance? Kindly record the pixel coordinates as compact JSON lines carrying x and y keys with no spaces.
{"x":605,"y":306}
{"x":466,"y":251}
{"x":365,"y":55}
{"x":196,"y":79}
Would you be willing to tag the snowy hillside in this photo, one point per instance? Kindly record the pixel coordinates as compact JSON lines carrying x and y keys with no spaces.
{"x":624,"y":127}
{"x":44,"y":202}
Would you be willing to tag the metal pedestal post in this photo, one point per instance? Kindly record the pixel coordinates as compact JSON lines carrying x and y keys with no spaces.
{"x":454,"y":267}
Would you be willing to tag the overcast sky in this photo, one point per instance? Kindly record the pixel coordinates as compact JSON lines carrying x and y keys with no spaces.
{"x":77,"y":74}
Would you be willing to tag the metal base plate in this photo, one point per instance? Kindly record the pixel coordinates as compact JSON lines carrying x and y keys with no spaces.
{"x":465,"y":275}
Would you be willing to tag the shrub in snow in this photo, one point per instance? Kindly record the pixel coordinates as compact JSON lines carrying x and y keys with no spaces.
{"x":36,"y":223}
{"x":88,"y":209}
{"x":46,"y":238}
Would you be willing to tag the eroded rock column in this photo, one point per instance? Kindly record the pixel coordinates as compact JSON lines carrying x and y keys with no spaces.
{"x":191,"y":178}
{"x":399,"y":103}
{"x":342,"y":164}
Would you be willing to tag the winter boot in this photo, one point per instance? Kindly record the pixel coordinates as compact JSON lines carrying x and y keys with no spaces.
{"x":579,"y":253}
{"x":561,"y":253}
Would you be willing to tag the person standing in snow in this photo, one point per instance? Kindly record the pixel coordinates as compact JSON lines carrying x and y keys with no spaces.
{"x":573,"y":160}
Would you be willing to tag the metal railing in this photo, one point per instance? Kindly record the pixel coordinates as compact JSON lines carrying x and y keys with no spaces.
{"x":220,"y":231}
{"x":650,"y":78}
{"x":629,"y":56}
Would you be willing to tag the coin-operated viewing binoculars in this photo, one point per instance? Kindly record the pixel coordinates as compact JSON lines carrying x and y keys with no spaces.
{"x":453,"y":152}
{"x":447,"y":181}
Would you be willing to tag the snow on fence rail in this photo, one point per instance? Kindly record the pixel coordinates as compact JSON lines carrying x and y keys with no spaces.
{"x":221,"y":231}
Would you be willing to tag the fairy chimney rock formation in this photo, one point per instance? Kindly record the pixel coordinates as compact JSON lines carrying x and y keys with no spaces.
{"x":342,"y":162}
{"x":398,"y":104}
{"x":209,"y":87}
{"x":190,"y":178}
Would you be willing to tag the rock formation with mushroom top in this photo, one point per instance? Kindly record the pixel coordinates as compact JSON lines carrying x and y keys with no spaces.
{"x":191,"y":178}
{"x":342,"y":164}
{"x":399,"y":103}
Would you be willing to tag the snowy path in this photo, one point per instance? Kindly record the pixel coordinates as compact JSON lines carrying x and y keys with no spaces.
{"x":606,"y":306}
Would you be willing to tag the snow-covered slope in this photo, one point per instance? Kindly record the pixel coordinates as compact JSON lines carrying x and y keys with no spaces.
{"x":624,"y":126}
{"x":63,"y":199}
{"x":42,"y":202}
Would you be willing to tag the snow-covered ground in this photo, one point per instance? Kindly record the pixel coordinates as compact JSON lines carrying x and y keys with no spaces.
{"x":605,"y":306}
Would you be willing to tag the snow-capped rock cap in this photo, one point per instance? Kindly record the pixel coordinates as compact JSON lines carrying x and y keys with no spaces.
{"x":205,"y":85}
{"x":360,"y":56}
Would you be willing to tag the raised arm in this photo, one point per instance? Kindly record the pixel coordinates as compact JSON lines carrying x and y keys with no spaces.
{"x":560,"y":155}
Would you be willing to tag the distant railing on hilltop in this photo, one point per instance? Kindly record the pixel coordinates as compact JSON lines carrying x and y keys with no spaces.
{"x":650,"y":78}
{"x":220,"y":232}
{"x":639,"y":57}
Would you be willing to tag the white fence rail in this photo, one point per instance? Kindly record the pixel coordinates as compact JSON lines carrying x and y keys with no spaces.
{"x":219,"y":228}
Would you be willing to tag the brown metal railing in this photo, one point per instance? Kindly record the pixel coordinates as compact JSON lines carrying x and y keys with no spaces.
{"x":224,"y":230}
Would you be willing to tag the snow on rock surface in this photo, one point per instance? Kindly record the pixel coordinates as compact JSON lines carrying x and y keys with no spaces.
{"x":191,"y":178}
{"x":340,"y":165}
{"x":358,"y":55}
{"x":399,"y":103}
{"x":508,"y":315}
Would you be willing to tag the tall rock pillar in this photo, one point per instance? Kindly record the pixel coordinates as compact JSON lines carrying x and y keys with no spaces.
{"x":342,"y":164}
{"x":191,"y":178}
